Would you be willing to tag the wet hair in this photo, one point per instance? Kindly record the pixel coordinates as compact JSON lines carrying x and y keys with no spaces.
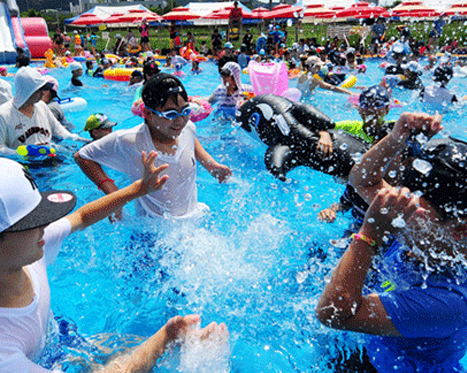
{"x":151,"y":68}
{"x":443,"y":74}
{"x":439,"y":171}
{"x":22,"y":60}
{"x":160,"y":88}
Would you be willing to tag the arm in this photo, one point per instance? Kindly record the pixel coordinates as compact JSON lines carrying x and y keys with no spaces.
{"x":219,"y":171}
{"x":96,"y":174}
{"x":324,"y":145}
{"x":329,"y":215}
{"x":342,"y":305}
{"x":367,"y":176}
{"x":331,"y":87}
{"x":107,"y":205}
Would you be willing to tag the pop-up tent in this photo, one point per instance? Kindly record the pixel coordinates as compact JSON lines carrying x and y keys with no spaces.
{"x":104,"y":12}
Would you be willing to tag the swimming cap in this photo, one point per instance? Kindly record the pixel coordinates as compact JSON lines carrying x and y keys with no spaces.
{"x":159,"y":88}
{"x":375,"y":93}
{"x":443,"y":73}
{"x":439,"y":171}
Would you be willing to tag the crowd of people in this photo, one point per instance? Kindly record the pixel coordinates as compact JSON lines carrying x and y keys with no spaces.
{"x":410,"y":225}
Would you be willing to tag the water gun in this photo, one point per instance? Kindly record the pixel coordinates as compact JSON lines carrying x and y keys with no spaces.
{"x":36,"y":151}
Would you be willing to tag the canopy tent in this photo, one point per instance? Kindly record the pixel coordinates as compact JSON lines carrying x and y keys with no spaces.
{"x":362,"y":10}
{"x":136,"y":15}
{"x":414,"y":9}
{"x":318,"y":11}
{"x":105,"y":12}
{"x":259,"y":13}
{"x":225,"y":13}
{"x":457,"y":9}
{"x":87,"y":20}
{"x":180,"y":14}
{"x":283,"y":11}
{"x":204,"y":9}
{"x":331,"y":4}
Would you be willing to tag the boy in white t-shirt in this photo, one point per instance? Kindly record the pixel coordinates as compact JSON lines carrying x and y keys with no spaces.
{"x":437,"y":95}
{"x":167,"y":130}
{"x":32,"y":227}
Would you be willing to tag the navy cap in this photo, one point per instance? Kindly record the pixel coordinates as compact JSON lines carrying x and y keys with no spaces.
{"x":375,"y":93}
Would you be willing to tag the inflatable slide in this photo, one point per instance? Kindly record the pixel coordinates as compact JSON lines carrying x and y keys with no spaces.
{"x":7,"y":36}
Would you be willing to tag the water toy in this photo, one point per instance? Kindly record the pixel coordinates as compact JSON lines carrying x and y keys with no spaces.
{"x":49,"y":58}
{"x":291,"y":132}
{"x":134,"y":50}
{"x":349,"y":82}
{"x":294,"y":73}
{"x":42,"y":70}
{"x":36,"y":151}
{"x":271,"y":78}
{"x":80,"y":58}
{"x":114,"y":58}
{"x":201,"y":108}
{"x":74,"y":104}
{"x":245,"y":71}
{"x":64,"y":62}
{"x":121,"y":74}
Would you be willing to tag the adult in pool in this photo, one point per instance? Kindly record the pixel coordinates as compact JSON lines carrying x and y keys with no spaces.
{"x":33,"y":226}
{"x":168,"y":130}
{"x":298,"y":135}
{"x":418,"y":323}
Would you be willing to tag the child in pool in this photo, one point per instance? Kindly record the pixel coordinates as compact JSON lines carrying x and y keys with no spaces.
{"x":195,"y":69}
{"x":89,"y":68}
{"x":178,"y":71}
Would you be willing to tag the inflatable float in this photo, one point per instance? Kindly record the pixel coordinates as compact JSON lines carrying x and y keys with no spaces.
{"x":272,"y":78}
{"x":290,"y":130}
{"x":72,"y":104}
{"x":120,"y":74}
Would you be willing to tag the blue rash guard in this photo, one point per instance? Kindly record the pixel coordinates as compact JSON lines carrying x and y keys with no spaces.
{"x":428,"y":309}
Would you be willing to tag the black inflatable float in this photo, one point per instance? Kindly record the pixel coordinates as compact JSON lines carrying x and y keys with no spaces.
{"x":290,"y":130}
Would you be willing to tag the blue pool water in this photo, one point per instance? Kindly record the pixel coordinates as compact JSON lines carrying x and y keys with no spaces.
{"x":257,"y":262}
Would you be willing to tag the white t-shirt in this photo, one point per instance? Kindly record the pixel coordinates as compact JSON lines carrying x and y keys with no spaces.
{"x":23,"y":330}
{"x":6,"y":93}
{"x":121,"y":151}
{"x":17,"y":129}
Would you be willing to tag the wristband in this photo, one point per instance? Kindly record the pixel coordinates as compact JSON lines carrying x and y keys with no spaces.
{"x":367,"y":240}
{"x":102,"y":182}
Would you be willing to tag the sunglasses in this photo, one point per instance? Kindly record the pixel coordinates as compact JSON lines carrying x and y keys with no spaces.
{"x":172,"y":114}
{"x":376,"y":104}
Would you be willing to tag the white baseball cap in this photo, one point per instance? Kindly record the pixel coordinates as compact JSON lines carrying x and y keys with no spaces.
{"x":22,"y":206}
{"x":27,"y":81}
{"x":75,"y":66}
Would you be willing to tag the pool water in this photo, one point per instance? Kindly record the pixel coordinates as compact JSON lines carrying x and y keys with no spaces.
{"x":258,"y":261}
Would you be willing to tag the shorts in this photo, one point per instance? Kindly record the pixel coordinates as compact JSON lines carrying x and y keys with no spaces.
{"x":144,"y":39}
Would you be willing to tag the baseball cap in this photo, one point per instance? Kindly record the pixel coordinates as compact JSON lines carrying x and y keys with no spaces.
{"x":314,"y":61}
{"x":54,"y":88}
{"x":75,"y":66}
{"x":105,"y":61}
{"x":374,"y":93}
{"x":27,"y":82}
{"x":439,"y":171}
{"x":228,"y":45}
{"x":137,"y":74}
{"x":98,"y":121}
{"x":22,"y":206}
{"x":443,"y":73}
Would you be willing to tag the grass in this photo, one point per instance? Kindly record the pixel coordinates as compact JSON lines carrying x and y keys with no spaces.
{"x":159,"y":36}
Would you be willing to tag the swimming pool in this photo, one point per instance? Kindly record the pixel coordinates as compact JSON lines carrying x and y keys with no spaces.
{"x":257,"y":262}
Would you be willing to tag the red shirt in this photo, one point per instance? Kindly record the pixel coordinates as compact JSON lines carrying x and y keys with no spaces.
{"x":235,"y":13}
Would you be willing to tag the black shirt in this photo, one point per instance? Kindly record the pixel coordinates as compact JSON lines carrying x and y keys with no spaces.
{"x":76,"y":82}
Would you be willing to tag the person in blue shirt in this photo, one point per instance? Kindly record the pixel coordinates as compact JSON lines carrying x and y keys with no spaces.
{"x":412,"y":309}
{"x":435,"y":32}
{"x":261,"y":43}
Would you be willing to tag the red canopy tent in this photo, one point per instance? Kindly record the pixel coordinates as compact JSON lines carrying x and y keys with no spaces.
{"x":362,"y":10}
{"x":88,"y":19}
{"x":225,"y":13}
{"x":137,"y":15}
{"x":283,"y":11}
{"x":259,"y":13}
{"x":180,"y":14}
{"x":318,"y":11}
{"x":458,"y":9}
{"x":113,"y":18}
{"x":414,"y":9}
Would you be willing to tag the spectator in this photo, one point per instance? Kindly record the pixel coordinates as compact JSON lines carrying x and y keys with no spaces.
{"x":235,"y":20}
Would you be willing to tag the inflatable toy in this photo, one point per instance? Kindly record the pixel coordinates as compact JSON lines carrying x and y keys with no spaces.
{"x":201,"y":108}
{"x":42,"y":70}
{"x":271,"y":78}
{"x":291,"y":132}
{"x":333,"y":79}
{"x":80,"y":58}
{"x":120,"y":74}
{"x":245,"y":71}
{"x":49,"y":58}
{"x":134,"y":50}
{"x":74,"y":104}
{"x":69,"y":59}
{"x":64,"y":62}
{"x":112,"y":57}
{"x":294,"y":73}
{"x":349,"y":82}
{"x":36,"y":151}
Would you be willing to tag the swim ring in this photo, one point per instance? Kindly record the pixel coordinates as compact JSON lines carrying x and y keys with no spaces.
{"x":134,"y":50}
{"x":294,"y":73}
{"x":80,"y":58}
{"x":121,"y":74}
{"x":349,"y":82}
{"x":72,"y":104}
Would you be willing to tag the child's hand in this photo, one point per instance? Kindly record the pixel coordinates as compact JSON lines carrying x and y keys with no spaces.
{"x":151,"y":180}
{"x":220,"y":172}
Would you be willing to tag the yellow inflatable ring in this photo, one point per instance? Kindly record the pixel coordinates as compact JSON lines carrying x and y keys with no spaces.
{"x":349,"y":82}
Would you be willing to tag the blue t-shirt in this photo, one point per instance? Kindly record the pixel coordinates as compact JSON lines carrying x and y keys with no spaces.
{"x":428,"y":309}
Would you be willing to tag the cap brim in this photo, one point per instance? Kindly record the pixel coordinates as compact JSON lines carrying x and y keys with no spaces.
{"x":54,"y":205}
{"x":108,"y":124}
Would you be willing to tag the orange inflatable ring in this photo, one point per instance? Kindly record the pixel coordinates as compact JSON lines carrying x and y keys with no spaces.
{"x":120,"y":74}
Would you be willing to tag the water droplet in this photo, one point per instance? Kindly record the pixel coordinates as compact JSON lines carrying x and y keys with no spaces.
{"x":307,"y":197}
{"x":392,"y":174}
{"x":422,"y":166}
{"x":371,"y":220}
{"x":384,"y":211}
{"x":398,"y":222}
{"x":343,"y":146}
{"x":301,"y":277}
{"x":357,"y":157}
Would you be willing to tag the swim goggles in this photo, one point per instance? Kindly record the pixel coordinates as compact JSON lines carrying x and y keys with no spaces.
{"x":172,"y":114}
{"x":376,"y":104}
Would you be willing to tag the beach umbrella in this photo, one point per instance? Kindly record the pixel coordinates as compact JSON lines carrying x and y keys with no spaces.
{"x":88,"y":19}
{"x":259,"y":13}
{"x":414,"y":9}
{"x":137,"y":15}
{"x":180,"y":14}
{"x":318,"y":11}
{"x":362,"y":10}
{"x":283,"y":11}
